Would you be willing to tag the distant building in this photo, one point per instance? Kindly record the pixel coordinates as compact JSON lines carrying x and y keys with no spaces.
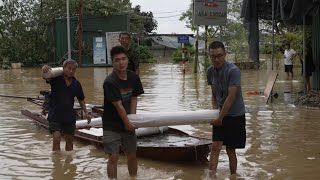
{"x":163,"y":45}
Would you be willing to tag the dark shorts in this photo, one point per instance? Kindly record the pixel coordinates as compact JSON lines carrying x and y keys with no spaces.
{"x":114,"y":141}
{"x":232,"y":132}
{"x":288,"y":68}
{"x":62,"y":127}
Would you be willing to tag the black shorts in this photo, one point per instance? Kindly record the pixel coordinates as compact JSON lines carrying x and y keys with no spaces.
{"x":232,"y":132}
{"x":288,"y":68}
{"x":62,"y":127}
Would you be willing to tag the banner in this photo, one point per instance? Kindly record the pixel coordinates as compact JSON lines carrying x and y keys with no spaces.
{"x":210,"y":12}
{"x":99,"y":50}
{"x":112,"y":39}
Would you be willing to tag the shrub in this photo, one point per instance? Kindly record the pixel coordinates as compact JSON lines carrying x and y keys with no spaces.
{"x":188,"y":52}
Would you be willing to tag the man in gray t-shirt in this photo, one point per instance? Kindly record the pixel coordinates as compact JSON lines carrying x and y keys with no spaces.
{"x":229,"y":128}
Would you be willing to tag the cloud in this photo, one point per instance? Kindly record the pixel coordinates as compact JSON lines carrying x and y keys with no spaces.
{"x":167,"y":14}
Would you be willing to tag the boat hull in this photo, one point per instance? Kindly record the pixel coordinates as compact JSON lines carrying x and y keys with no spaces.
{"x":172,"y":145}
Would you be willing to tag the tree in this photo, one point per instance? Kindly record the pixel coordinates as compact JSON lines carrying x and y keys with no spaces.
{"x":141,"y":24}
{"x":187,"y":17}
{"x":24,"y":23}
{"x":21,"y":33}
{"x":232,"y":34}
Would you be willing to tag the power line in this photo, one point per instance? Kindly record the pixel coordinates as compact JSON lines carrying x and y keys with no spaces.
{"x":168,"y":16}
{"x":168,"y":12}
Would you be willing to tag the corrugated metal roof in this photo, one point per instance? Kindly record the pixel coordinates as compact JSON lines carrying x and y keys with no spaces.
{"x":172,"y":41}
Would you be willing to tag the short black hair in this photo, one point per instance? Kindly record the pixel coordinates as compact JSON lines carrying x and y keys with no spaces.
{"x":117,"y":50}
{"x":124,"y":33}
{"x":216,"y":45}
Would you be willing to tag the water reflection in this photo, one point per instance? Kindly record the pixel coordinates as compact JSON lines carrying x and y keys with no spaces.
{"x":63,"y":167}
{"x":283,"y":140}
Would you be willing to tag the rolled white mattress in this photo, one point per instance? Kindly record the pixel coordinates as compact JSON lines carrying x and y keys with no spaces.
{"x":158,"y":119}
{"x":150,"y":131}
{"x":139,"y":132}
{"x":53,"y":72}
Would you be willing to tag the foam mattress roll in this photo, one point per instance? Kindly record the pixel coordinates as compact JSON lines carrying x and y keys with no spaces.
{"x":53,"y":72}
{"x":150,"y":131}
{"x":84,"y":123}
{"x":158,"y":119}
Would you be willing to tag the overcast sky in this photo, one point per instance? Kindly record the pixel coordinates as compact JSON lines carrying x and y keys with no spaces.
{"x":167,"y":14}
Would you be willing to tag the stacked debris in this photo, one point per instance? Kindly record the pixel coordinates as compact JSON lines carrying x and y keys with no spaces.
{"x":311,"y":99}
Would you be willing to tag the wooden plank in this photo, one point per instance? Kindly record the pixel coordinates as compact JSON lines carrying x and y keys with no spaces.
{"x":271,"y":81}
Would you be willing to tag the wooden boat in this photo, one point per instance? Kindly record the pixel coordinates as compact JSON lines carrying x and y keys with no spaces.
{"x":171,"y":145}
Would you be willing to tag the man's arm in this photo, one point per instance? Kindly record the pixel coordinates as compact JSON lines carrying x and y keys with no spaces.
{"x":137,"y":71}
{"x":123,"y":115}
{"x":232,"y":90}
{"x":45,"y":69}
{"x":133,"y":105}
{"x":213,"y":98}
{"x":84,"y":107}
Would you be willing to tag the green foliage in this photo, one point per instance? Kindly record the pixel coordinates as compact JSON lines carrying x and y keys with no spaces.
{"x":295,"y":39}
{"x":187,"y":16}
{"x":22,"y":37}
{"x":233,"y":34}
{"x":188,"y":52}
{"x":142,"y":20}
{"x":144,"y":55}
{"x":235,"y":38}
{"x":23,"y":24}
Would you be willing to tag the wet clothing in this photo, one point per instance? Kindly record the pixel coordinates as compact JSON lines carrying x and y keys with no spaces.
{"x":233,"y":129}
{"x":288,"y":68}
{"x":309,"y":64}
{"x":62,"y":100}
{"x":113,"y":141}
{"x":133,"y":64}
{"x":288,"y":55}
{"x":116,"y":89}
{"x":232,"y":132}
{"x":221,"y":79}
{"x":64,"y":128}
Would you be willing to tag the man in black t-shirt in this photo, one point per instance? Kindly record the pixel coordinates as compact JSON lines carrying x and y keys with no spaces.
{"x":121,"y":89}
{"x":133,"y":65}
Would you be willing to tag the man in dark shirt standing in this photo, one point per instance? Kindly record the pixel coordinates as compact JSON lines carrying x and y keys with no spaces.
{"x":121,"y":89}
{"x":124,"y":39}
{"x":62,"y":116}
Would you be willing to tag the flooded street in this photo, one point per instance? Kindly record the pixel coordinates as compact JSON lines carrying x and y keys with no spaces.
{"x":283,"y":141}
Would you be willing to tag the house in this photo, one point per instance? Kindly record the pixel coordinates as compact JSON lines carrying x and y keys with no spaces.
{"x":163,"y":45}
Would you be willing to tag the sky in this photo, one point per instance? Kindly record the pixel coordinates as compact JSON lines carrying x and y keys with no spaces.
{"x":167,"y":14}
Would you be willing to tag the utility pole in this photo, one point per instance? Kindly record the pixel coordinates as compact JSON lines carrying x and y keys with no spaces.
{"x":80,"y":31}
{"x":183,"y":60}
{"x":206,"y":47}
{"x":196,"y":56}
{"x":68,"y":31}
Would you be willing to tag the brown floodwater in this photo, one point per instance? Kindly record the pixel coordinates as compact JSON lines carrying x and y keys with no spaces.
{"x":283,"y":141}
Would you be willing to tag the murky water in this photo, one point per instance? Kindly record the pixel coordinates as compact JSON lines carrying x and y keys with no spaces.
{"x":283,"y":140}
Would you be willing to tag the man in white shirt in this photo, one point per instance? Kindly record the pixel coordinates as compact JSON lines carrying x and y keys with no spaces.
{"x":289,"y":54}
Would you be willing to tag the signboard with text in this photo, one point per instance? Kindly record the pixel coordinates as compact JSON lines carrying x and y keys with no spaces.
{"x":210,"y":12}
{"x":183,"y":39}
{"x":112,"y":39}
{"x":99,"y":50}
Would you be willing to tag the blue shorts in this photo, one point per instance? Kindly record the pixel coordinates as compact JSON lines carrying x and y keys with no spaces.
{"x":232,"y":132}
{"x":114,"y":141}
